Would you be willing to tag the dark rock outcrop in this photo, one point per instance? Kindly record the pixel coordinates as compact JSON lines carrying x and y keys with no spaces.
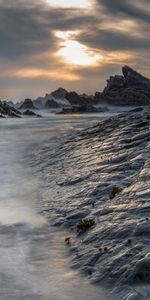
{"x":31,"y":113}
{"x":2,"y":116}
{"x":7,"y":110}
{"x":81,"y":109}
{"x":133,"y":78}
{"x":27,"y":104}
{"x":131,"y":88}
{"x":76,"y":99}
{"x":51,"y":104}
{"x":60,"y":93}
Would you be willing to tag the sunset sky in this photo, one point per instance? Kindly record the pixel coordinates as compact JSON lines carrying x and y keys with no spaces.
{"x":75,"y":44}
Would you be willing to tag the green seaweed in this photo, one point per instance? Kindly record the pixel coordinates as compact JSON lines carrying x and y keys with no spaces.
{"x":67,"y":240}
{"x":84,"y":224}
{"x":114,"y":191}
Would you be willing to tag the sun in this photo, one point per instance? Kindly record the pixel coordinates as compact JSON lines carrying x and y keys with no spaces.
{"x":77,"y":54}
{"x":74,"y":52}
{"x":70,"y":3}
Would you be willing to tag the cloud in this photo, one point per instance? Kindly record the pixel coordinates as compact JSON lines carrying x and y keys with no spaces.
{"x":28,"y":29}
{"x":111,"y":40}
{"x":117,"y":30}
{"x":128,"y":9}
{"x":22,"y":33}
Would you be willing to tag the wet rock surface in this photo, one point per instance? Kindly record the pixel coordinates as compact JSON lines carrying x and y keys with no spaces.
{"x":31,"y":113}
{"x":80,"y":175}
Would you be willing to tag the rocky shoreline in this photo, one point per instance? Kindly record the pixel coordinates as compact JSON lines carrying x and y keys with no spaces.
{"x":103,"y":175}
{"x":129,"y":89}
{"x":7,"y":110}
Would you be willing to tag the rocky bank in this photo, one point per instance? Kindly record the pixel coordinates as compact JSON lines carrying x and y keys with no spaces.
{"x":100,"y":183}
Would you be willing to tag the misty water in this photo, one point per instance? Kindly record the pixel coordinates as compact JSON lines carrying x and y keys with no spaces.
{"x":34,"y":261}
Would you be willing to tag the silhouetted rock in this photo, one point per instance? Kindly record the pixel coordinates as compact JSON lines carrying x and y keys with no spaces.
{"x":51,"y":104}
{"x":27,"y":104}
{"x":82,"y":109}
{"x":7,"y":110}
{"x":133,"y":78}
{"x":31,"y":113}
{"x":59,"y":94}
{"x":76,"y":99}
{"x":130,"y":89}
{"x":73,"y":98}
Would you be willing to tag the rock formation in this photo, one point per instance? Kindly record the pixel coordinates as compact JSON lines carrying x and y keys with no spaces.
{"x":27,"y":104}
{"x":133,"y":78}
{"x":7,"y":110}
{"x":51,"y":104}
{"x":82,"y":109}
{"x":131,"y":88}
{"x":59,"y":94}
{"x":31,"y":113}
{"x":76,"y":99}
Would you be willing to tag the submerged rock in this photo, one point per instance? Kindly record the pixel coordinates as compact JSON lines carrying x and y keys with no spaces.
{"x":31,"y":113}
{"x":82,"y":109}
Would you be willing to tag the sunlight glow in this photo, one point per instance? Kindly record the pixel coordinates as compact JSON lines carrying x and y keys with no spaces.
{"x":70,"y":3}
{"x":75,"y":53}
{"x":49,"y":74}
{"x":78,"y":54}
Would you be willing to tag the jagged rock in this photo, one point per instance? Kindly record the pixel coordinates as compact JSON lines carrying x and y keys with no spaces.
{"x":27,"y":104}
{"x":115,"y":82}
{"x":51,"y":104}
{"x":7,"y":110}
{"x":59,"y":94}
{"x":58,"y":98}
{"x":133,"y":78}
{"x":31,"y":113}
{"x":130,"y":89}
{"x":10,"y":103}
{"x":76,"y":99}
{"x":73,"y":98}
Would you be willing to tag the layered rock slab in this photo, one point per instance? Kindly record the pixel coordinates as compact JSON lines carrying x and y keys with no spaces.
{"x":81,"y":175}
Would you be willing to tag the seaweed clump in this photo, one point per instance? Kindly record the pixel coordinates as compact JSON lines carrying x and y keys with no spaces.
{"x":114,"y":191}
{"x":84,"y":225}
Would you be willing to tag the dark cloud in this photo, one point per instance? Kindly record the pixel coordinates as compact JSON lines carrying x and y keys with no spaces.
{"x":111,"y":40}
{"x":27,"y":30}
{"x":126,"y":7}
{"x":123,"y":26}
{"x":21,"y":33}
{"x":28,"y":40}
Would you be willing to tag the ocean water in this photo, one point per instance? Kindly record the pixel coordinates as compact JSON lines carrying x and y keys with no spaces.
{"x":34,"y":261}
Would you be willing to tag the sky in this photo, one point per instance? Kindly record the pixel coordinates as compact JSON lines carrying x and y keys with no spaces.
{"x":74,"y":44}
